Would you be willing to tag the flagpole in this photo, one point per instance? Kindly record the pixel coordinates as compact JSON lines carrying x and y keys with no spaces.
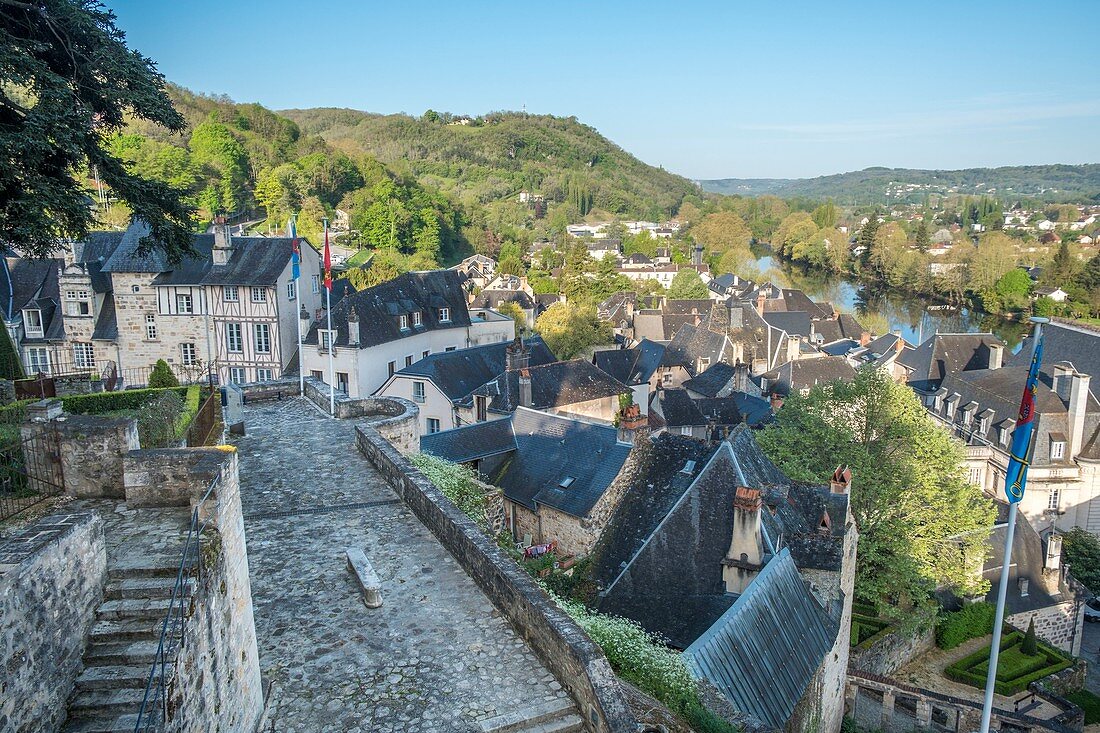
{"x":332,"y":336}
{"x":301,"y":366}
{"x":296,"y":274}
{"x":1013,"y":510}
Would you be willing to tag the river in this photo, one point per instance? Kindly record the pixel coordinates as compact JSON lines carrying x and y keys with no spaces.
{"x":878,"y":307}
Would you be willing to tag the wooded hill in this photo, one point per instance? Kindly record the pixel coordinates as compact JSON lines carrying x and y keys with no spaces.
{"x":1047,"y":183}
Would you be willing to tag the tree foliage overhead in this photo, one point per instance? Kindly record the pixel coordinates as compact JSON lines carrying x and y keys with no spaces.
{"x":570,"y":328}
{"x":921,"y":523}
{"x":67,"y":83}
{"x":687,"y":285}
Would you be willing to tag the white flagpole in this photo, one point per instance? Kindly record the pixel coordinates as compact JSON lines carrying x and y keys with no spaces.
{"x":301,"y":365}
{"x":1002,"y":589}
{"x":332,"y":336}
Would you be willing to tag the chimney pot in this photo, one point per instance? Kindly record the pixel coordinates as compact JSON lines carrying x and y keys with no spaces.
{"x":526,"y":398}
{"x":841,"y":481}
{"x":864,"y":338}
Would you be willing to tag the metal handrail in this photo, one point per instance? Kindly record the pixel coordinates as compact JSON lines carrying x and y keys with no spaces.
{"x":153,"y":713}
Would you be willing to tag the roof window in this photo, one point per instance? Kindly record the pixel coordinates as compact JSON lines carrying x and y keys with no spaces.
{"x":566,"y":482}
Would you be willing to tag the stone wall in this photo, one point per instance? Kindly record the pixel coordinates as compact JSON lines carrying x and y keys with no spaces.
{"x":169,"y":476}
{"x":51,"y":581}
{"x":76,"y":384}
{"x":1059,"y":625}
{"x":893,"y":651}
{"x":217,"y":681}
{"x":563,"y":647}
{"x":91,"y":448}
{"x":277,"y":389}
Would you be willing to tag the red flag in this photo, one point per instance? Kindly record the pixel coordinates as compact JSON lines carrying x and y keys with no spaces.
{"x":328,"y":260}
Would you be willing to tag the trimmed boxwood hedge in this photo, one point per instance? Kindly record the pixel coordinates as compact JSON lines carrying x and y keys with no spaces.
{"x":971,"y":669}
{"x":99,"y":403}
{"x":971,"y":622}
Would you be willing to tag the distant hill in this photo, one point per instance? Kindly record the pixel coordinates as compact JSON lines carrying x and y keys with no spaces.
{"x":494,"y":157}
{"x":1061,"y":183}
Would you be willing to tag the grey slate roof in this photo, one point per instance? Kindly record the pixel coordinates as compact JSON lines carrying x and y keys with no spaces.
{"x":678,"y":409}
{"x":763,"y":651}
{"x":712,"y":380}
{"x":106,"y":324}
{"x":28,"y":280}
{"x":553,"y":385}
{"x":692,"y":343}
{"x":471,"y":442}
{"x":496,"y":298}
{"x":1027,"y":562}
{"x":550,"y":448}
{"x":631,"y":366}
{"x":946,"y":353}
{"x":1064,"y":342}
{"x":458,"y":373}
{"x":794,"y":376}
{"x":795,"y":323}
{"x":379,"y":307}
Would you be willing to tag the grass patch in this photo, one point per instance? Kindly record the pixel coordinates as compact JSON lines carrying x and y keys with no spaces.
{"x":360,"y":258}
{"x":1087,"y":701}
{"x":1015,"y":670}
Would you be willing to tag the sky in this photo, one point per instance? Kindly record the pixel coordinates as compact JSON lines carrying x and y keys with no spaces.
{"x":724,"y":89}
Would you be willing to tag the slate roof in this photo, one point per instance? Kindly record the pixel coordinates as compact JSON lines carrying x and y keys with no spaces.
{"x":712,"y":380}
{"x":692,"y":343}
{"x":795,"y":323}
{"x":471,"y":442}
{"x":797,"y":300}
{"x":607,"y":243}
{"x":28,"y":280}
{"x":106,"y":323}
{"x":458,"y":373}
{"x":946,"y":353}
{"x":839,"y":347}
{"x":553,"y":385}
{"x":678,"y":409}
{"x":631,"y":366}
{"x":764,"y":650}
{"x":807,"y":373}
{"x":550,"y":449}
{"x":378,"y":308}
{"x":844,"y":326}
{"x":1028,"y":559}
{"x":496,"y":298}
{"x":1064,"y":342}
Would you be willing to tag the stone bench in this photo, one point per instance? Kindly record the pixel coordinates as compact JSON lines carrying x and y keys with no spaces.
{"x":369,"y":584}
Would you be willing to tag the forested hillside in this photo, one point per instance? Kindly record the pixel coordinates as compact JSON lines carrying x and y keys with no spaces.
{"x":1048,"y":183}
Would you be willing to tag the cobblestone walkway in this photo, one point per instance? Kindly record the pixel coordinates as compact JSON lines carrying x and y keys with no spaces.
{"x":436,"y":657}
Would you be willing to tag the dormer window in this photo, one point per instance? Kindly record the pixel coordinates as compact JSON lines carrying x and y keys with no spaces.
{"x":418,"y":318}
{"x":32,"y":322}
{"x":326,"y":339}
{"x":444,"y":315}
{"x":404,"y":322}
{"x":259,"y":295}
{"x":1057,"y":449}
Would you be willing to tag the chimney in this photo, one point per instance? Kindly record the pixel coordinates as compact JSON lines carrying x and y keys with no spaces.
{"x":841,"y":481}
{"x":899,"y":345}
{"x":864,"y":338}
{"x":1078,"y":404}
{"x":1023,"y":583}
{"x":793,"y":345}
{"x":525,"y":398}
{"x":1053,"y":559}
{"x":516,"y":356}
{"x":776,"y":401}
{"x":996,"y":356}
{"x":223,"y":241}
{"x":740,"y":376}
{"x":632,"y":424}
{"x":746,"y":554}
{"x":760,"y":303}
{"x":1061,"y":372}
{"x":353,"y":327}
{"x":697,"y":255}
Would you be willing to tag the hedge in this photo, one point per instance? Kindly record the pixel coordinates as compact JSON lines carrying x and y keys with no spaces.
{"x":971,"y":622}
{"x":1088,"y":702}
{"x":867,"y":629}
{"x":192,"y":401}
{"x":99,"y":403}
{"x":970,"y":669}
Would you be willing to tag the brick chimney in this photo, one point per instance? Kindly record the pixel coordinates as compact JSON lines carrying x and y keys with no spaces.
{"x":525,"y":396}
{"x":516,"y":356}
{"x":760,"y":303}
{"x":632,"y":424}
{"x":864,"y":338}
{"x":746,"y":554}
{"x":841,"y":481}
{"x":353,"y":327}
{"x":223,"y":241}
{"x":776,"y":401}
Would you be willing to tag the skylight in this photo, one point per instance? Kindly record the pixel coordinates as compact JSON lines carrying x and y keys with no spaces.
{"x":566,"y":482}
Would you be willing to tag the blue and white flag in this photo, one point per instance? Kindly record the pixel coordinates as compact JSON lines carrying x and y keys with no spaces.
{"x":295,"y":250}
{"x":1024,"y":434}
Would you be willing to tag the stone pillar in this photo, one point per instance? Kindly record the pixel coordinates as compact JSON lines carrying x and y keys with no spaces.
{"x":887,"y":709}
{"x":92,"y":448}
{"x":924,"y":712}
{"x":851,"y":699}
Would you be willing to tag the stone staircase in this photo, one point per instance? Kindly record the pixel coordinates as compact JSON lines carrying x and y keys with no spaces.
{"x":559,"y":716}
{"x":123,"y":645}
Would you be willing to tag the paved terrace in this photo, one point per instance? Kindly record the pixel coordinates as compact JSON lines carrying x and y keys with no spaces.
{"x":436,"y":657}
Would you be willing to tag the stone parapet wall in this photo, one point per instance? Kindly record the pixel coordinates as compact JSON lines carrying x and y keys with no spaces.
{"x":563,"y":647}
{"x":51,"y":581}
{"x":170,"y":476}
{"x":277,"y":389}
{"x":1059,"y":625}
{"x":90,"y":450}
{"x":892,"y":652}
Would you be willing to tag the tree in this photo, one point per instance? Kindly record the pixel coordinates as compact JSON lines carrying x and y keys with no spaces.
{"x":687,"y":285}
{"x":921,"y":523}
{"x":722,"y":231}
{"x":867,"y":235}
{"x":1063,"y":266}
{"x":162,"y":376}
{"x":1081,"y":551}
{"x":826,"y":215}
{"x":513,"y":311}
{"x":69,"y":85}
{"x":1030,"y":645}
{"x":10,"y":367}
{"x":570,"y":328}
{"x":1089,"y":277}
{"x":921,"y":238}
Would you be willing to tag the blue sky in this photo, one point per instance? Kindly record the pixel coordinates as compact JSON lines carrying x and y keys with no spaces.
{"x":704,"y":89}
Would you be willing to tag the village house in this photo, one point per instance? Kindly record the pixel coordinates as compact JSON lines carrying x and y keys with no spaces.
{"x":380,"y":330}
{"x":1056,"y":294}
{"x":636,"y":367}
{"x":505,"y":289}
{"x":477,"y":271}
{"x":440,"y":381}
{"x":705,"y":418}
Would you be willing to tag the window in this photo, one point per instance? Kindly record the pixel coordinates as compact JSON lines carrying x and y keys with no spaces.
{"x":404,"y":321}
{"x":342,"y":381}
{"x":480,"y":405}
{"x":292,"y":290}
{"x":184,"y":304}
{"x":433,"y":424}
{"x":236,"y":375}
{"x":317,"y":374}
{"x":189,"y":355}
{"x":77,"y":295}
{"x":974,"y":475}
{"x":418,"y":391}
{"x":326,"y":339}
{"x":451,"y":348}
{"x":1053,"y":500}
{"x":666,"y":378}
{"x":78,"y":308}
{"x":231,"y":294}
{"x":38,"y":360}
{"x":391,"y":367}
{"x":409,"y":360}
{"x":685,"y":430}
{"x":150,"y":327}
{"x":444,"y":315}
{"x":32,"y":320}
{"x":425,"y":353}
{"x":259,"y":295}
{"x":135,"y":288}
{"x":262,"y":333}
{"x":234,"y":343}
{"x":1057,"y":450}
{"x":567,"y":481}
{"x":265,"y":375}
{"x":315,"y":281}
{"x":417,"y":318}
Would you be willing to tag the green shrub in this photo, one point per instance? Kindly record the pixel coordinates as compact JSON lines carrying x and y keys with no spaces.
{"x":15,"y":413}
{"x":1087,"y":701}
{"x":971,"y":622}
{"x":162,"y":376}
{"x":158,"y":419}
{"x":10,"y":368}
{"x":101,"y":403}
{"x":1029,"y":645}
{"x":458,"y":483}
{"x":192,"y":401}
{"x":1015,"y":670}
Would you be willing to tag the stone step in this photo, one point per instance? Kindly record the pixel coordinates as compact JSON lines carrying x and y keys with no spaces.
{"x":155,"y":587}
{"x":134,"y":608}
{"x":106,"y":703}
{"x":524,"y":720}
{"x":112,"y":631}
{"x":571,"y":723}
{"x":150,"y":566}
{"x":101,"y":724}
{"x":127,"y":653}
{"x":114,"y":676}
